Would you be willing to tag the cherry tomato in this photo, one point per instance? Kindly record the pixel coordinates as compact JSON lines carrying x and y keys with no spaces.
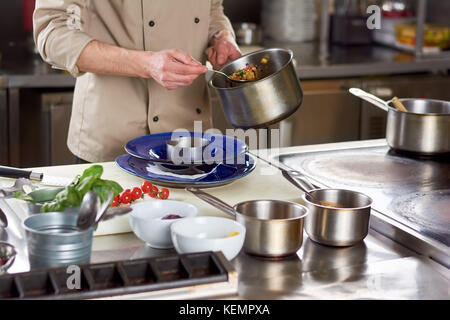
{"x":146,"y":187}
{"x":116,"y":201}
{"x":154,"y":189}
{"x":136,"y":193}
{"x":126,"y":198}
{"x":152,"y":194}
{"x":164,"y":194}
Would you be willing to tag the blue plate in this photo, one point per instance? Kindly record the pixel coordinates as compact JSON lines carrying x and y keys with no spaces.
{"x":153,"y":146}
{"x":223,"y":174}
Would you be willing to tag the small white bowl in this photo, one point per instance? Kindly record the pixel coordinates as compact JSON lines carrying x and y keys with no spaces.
{"x":200,"y":234}
{"x":146,"y":220}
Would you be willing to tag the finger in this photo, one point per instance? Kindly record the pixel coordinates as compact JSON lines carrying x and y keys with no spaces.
{"x":222,"y":54}
{"x":184,"y":58}
{"x":213,"y":58}
{"x":234,"y":55}
{"x":185,"y":69}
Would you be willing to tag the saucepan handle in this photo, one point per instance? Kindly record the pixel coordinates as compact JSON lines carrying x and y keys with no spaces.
{"x":215,"y":202}
{"x":370,"y":98}
{"x":298,"y":180}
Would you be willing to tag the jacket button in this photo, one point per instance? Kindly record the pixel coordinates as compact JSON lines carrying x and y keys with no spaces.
{"x":151,"y":23}
{"x":197,"y":20}
{"x":198,"y":110}
{"x":155,"y":119}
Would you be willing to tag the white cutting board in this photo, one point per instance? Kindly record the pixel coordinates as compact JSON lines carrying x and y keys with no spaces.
{"x":265,"y":182}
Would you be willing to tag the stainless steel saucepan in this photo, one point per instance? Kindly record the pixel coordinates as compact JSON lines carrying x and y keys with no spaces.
{"x":274,"y":229}
{"x":268,"y":100}
{"x":423,"y":129}
{"x":336,"y":217}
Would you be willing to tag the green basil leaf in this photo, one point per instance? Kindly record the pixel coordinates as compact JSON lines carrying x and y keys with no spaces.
{"x":22,"y":196}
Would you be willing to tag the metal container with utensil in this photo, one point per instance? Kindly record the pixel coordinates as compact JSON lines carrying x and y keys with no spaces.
{"x":53,"y":239}
{"x":424,"y":129}
{"x":274,"y":228}
{"x":256,"y":104}
{"x":336,"y":217}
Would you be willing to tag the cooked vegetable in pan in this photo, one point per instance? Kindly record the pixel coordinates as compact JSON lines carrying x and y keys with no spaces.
{"x":249,"y":73}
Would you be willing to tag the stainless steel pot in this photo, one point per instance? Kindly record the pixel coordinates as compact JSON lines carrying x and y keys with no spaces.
{"x":340,"y":225}
{"x":424,"y":129}
{"x":274,"y":229}
{"x":257,"y":104}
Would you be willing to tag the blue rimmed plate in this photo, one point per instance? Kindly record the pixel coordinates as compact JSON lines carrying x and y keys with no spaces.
{"x":153,"y":146}
{"x":223,"y":174}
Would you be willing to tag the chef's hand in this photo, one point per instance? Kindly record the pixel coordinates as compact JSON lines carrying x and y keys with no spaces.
{"x":173,"y":68}
{"x":223,"y":49}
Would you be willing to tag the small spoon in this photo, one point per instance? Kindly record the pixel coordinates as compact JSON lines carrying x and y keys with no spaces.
{"x":227,"y":76}
{"x":94,"y":218}
{"x":113,"y":212}
{"x":88,"y":210}
{"x":104,"y":206}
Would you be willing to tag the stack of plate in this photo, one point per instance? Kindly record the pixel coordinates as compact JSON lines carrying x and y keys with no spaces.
{"x":224,"y":160}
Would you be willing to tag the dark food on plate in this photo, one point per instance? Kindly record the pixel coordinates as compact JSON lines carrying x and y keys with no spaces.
{"x":3,"y":262}
{"x":171,"y":217}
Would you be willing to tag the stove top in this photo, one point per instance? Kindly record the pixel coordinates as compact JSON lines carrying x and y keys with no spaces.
{"x":412,"y":191}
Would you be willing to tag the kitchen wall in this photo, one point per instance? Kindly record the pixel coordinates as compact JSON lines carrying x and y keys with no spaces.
{"x":10,"y":21}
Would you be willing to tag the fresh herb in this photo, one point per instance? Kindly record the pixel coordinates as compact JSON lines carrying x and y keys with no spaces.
{"x":72,"y":195}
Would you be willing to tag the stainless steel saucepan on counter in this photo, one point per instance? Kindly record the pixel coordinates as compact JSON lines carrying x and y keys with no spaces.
{"x":336,"y":217}
{"x":274,"y":229}
{"x":424,"y":129}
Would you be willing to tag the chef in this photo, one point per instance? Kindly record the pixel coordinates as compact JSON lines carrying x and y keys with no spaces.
{"x":139,"y":65}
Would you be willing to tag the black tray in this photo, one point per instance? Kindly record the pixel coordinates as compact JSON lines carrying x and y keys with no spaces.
{"x":117,"y":278}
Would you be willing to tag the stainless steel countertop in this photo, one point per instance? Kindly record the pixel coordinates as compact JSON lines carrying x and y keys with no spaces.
{"x":377,"y":268}
{"x":19,"y":68}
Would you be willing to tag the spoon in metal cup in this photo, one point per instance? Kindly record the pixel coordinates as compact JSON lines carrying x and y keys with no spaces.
{"x":88,"y":210}
{"x":104,"y":213}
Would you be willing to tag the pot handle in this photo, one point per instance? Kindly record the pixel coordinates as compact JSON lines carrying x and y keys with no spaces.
{"x":298,"y":180}
{"x":215,"y":202}
{"x":370,"y":98}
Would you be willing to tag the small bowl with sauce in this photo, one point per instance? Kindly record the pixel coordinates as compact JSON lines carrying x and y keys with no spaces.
{"x":201,"y":234}
{"x":151,"y":220}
